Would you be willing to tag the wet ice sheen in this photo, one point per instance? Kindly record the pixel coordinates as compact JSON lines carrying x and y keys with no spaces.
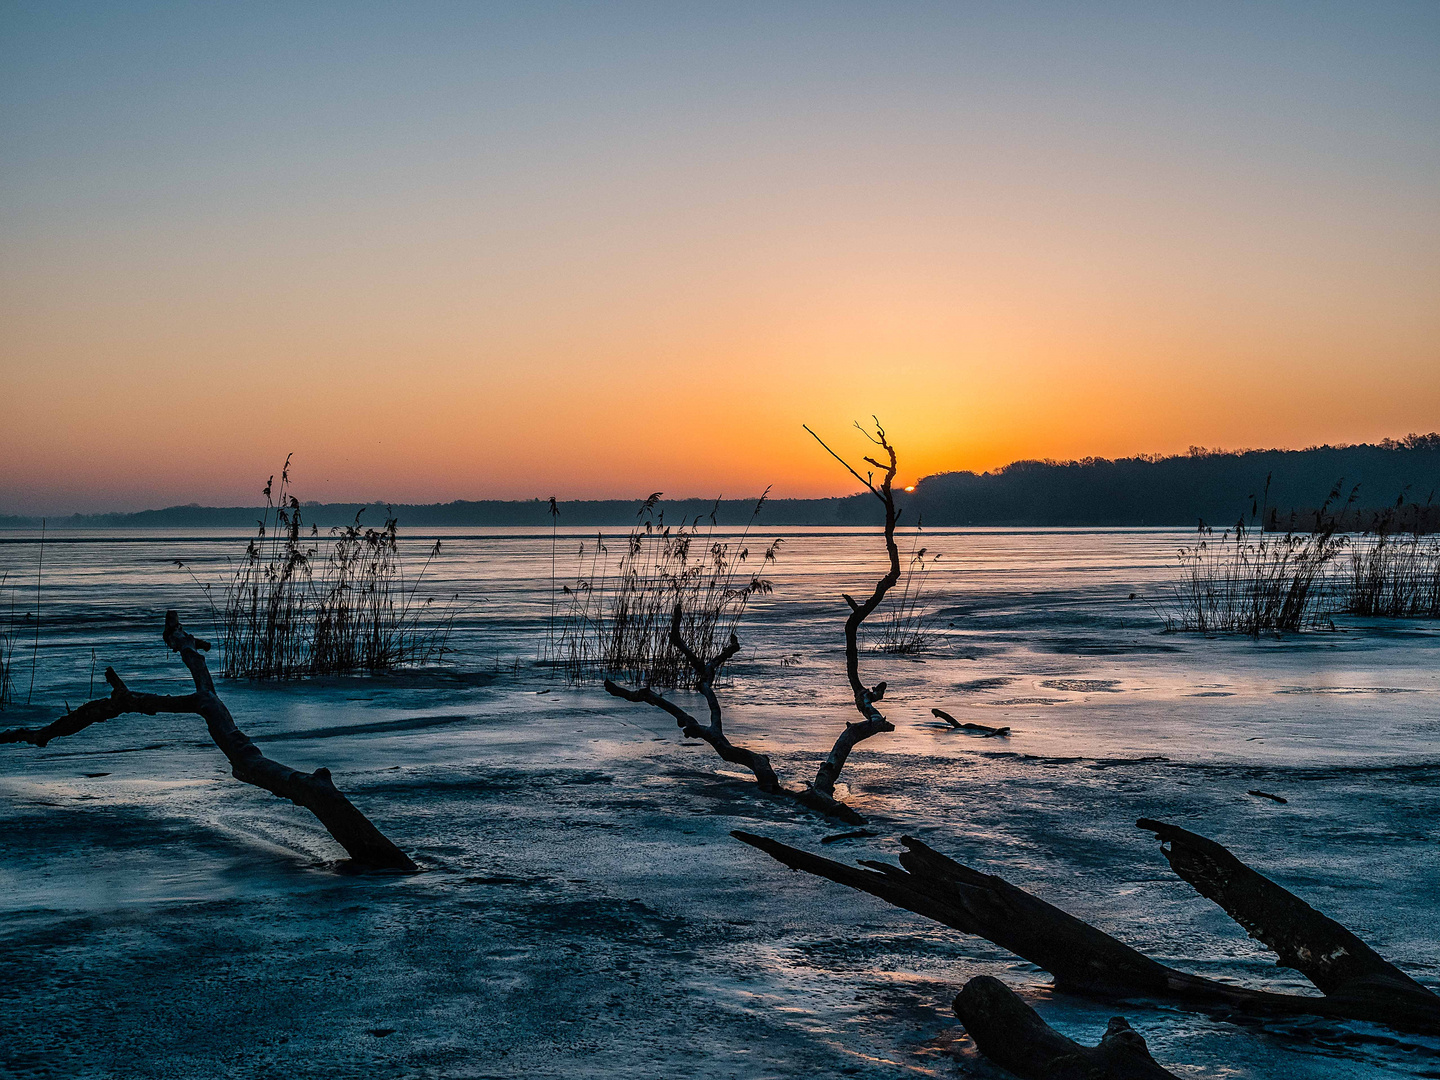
{"x":584,"y":910}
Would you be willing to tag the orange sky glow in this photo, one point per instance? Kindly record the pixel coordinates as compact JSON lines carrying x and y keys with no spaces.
{"x":455,"y":259}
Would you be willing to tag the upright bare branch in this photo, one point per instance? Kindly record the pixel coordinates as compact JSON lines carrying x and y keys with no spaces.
{"x":314,"y":791}
{"x":872,"y":722}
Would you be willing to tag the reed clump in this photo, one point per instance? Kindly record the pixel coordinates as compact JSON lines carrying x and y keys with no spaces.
{"x":615,"y":620}
{"x":1394,"y":573}
{"x":298,"y":605}
{"x":10,"y":633}
{"x":1246,"y":581}
{"x":906,"y":626}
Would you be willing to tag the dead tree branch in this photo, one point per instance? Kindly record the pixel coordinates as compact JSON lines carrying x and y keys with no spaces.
{"x":866,"y":697}
{"x":983,"y":730}
{"x":819,"y":795}
{"x":121,"y":701}
{"x":1343,"y":968}
{"x":1012,"y":1035}
{"x":314,"y":791}
{"x":705,"y":672}
{"x":1086,"y":960}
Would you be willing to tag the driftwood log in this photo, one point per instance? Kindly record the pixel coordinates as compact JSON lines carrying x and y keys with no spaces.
{"x":316,"y":792}
{"x":1012,"y":1035}
{"x":985,"y":731}
{"x":1356,"y":982}
{"x":820,"y":794}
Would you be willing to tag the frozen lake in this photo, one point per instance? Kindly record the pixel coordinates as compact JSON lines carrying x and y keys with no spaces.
{"x":582,"y":909}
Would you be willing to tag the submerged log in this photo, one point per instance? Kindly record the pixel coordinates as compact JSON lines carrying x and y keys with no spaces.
{"x":1087,"y":960}
{"x":1352,"y":976}
{"x":315,"y":791}
{"x":1266,"y":795}
{"x":983,"y":730}
{"x":1012,"y":1035}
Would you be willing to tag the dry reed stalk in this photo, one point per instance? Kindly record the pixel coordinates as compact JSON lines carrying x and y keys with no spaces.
{"x":618,"y":621}
{"x":1252,"y":582}
{"x":9,"y":635}
{"x":297,"y":605}
{"x":1395,"y":573}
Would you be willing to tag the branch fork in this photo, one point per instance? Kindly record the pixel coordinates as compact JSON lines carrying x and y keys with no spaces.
{"x":314,"y":791}
{"x":820,"y":794}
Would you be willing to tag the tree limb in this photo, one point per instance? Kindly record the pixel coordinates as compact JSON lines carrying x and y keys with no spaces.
{"x":1012,"y":1035}
{"x":871,"y":722}
{"x":714,"y":732}
{"x":120,"y":701}
{"x":1341,"y":966}
{"x":314,"y":791}
{"x":1087,"y":960}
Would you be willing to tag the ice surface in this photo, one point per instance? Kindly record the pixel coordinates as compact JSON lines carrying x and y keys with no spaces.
{"x":583,"y":910}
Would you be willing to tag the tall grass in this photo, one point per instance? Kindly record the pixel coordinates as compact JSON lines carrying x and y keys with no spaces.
{"x":10,"y":628}
{"x":299,"y":605}
{"x":615,"y":619}
{"x":1393,"y":573}
{"x":1252,"y":582}
{"x":905,"y":625}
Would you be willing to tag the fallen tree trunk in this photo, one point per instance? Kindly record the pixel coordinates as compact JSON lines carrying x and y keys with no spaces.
{"x":1011,"y":1034}
{"x":983,"y":730}
{"x":1087,"y":960}
{"x":314,"y":791}
{"x":1350,"y":974}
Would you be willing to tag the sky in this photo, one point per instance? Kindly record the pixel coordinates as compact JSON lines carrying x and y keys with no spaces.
{"x":445,"y":251}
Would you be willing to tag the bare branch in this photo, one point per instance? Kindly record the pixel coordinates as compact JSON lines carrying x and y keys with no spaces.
{"x":872,"y":722}
{"x":842,"y":461}
{"x":714,"y":732}
{"x":120,"y":702}
{"x":314,"y":791}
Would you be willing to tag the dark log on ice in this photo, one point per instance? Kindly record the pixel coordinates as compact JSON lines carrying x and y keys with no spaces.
{"x":1087,"y":960}
{"x":1266,"y":795}
{"x":314,"y":791}
{"x":1080,"y":957}
{"x":1352,"y":976}
{"x":974,"y":729}
{"x":1011,"y":1034}
{"x":866,"y":697}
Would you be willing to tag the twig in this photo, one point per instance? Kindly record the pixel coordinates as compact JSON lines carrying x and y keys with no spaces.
{"x":35,"y":650}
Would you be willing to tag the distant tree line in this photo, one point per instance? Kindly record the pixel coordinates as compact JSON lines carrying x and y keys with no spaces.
{"x":1218,"y":487}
